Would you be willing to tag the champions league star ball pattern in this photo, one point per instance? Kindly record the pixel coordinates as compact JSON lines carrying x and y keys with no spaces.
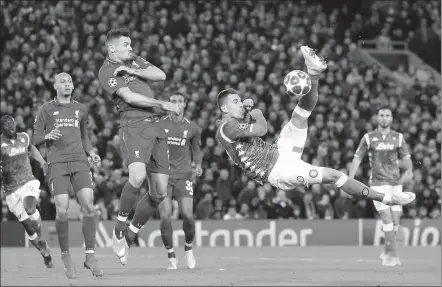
{"x":297,"y":83}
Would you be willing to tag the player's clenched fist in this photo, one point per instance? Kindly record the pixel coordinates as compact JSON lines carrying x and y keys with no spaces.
{"x":53,"y":135}
{"x":171,"y":107}
{"x":96,"y":159}
{"x":198,"y":170}
{"x":256,"y":113}
{"x":248,"y":104}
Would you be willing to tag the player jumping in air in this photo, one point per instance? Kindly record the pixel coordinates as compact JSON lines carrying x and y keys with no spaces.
{"x":62,"y":125}
{"x":280,"y":164}
{"x":22,"y":190}
{"x":385,"y":147}
{"x":144,"y":147}
{"x":183,"y":139}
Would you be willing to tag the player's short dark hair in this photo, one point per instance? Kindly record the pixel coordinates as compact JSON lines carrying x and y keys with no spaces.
{"x":117,"y":33}
{"x":385,"y":108}
{"x":5,"y":118}
{"x":179,"y":94}
{"x":220,"y":98}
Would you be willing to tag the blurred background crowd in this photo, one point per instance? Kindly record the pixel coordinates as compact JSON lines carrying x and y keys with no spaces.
{"x":206,"y":46}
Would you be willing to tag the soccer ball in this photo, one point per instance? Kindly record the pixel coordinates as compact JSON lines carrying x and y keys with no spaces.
{"x":297,"y":83}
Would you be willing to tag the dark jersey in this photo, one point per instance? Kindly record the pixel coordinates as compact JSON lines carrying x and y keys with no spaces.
{"x":384,"y":152}
{"x":253,"y":155}
{"x":15,"y":166}
{"x":181,"y":138}
{"x":71,"y":120}
{"x":111,"y":84}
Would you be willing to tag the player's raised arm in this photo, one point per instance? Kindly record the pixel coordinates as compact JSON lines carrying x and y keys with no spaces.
{"x":147,"y":71}
{"x":141,"y":101}
{"x":359,"y":155}
{"x":405,"y":156}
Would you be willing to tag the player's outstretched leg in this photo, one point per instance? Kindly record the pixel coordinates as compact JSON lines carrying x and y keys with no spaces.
{"x":315,"y":66}
{"x":33,"y":229}
{"x":186,"y":210}
{"x":62,"y":227}
{"x":165,"y":209}
{"x":86,"y":198}
{"x":356,"y":188}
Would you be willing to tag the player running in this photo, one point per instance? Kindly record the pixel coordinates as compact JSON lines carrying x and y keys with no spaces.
{"x":385,"y":147}
{"x":62,"y":125}
{"x":280,"y":164}
{"x":183,"y":139}
{"x":21,"y":188}
{"x":124,"y":76}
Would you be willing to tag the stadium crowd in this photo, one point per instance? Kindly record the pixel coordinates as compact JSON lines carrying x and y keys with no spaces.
{"x":204,"y":47}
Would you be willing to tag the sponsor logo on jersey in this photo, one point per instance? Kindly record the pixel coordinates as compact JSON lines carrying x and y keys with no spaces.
{"x":385,"y":146}
{"x":4,"y":144}
{"x":17,"y":151}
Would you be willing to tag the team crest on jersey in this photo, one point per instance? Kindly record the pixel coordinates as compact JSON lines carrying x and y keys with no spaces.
{"x":22,"y":140}
{"x":185,"y":134}
{"x":77,"y":112}
{"x":112,"y":82}
{"x":243,"y":126}
{"x":137,"y":154}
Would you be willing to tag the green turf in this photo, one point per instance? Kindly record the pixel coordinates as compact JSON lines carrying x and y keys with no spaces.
{"x":290,"y":266}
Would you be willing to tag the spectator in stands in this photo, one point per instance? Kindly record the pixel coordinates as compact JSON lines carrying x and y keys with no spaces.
{"x":205,"y":46}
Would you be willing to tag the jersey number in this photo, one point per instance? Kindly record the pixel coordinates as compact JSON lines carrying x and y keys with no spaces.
{"x":189,"y":186}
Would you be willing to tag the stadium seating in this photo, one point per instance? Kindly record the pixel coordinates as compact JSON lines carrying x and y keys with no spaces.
{"x":206,"y":46}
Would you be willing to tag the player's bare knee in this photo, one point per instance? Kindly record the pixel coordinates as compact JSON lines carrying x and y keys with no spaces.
{"x":30,"y":210}
{"x":187,"y":214}
{"x":88,"y":209}
{"x":330,"y":175}
{"x":300,"y":117}
{"x":137,"y":177}
{"x":62,"y":214}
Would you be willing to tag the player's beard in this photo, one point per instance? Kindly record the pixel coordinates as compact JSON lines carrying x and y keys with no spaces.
{"x":384,"y":126}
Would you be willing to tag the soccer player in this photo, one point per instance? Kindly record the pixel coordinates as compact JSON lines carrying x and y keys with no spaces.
{"x":62,"y":125}
{"x":183,"y":139}
{"x":124,"y":76}
{"x":385,"y":147}
{"x":21,"y":188}
{"x":280,"y":164}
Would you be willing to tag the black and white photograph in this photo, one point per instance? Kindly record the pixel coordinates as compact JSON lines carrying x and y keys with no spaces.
{"x":220,"y":143}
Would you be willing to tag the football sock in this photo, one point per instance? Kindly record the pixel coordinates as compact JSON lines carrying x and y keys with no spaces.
{"x":166,"y":235}
{"x":89,"y":230}
{"x":29,"y":226}
{"x":36,"y":220}
{"x":143,"y":212}
{"x":354,"y":187}
{"x":62,"y":227}
{"x":189,"y":232}
{"x":390,"y":241}
{"x":127,"y":201}
{"x":170,"y":253}
{"x":308,"y":102}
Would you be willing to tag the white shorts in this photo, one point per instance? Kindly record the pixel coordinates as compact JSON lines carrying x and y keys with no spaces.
{"x":387,"y":189}
{"x":290,"y":170}
{"x":15,"y":199}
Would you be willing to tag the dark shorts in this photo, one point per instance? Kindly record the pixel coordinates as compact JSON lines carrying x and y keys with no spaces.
{"x":177,"y":188}
{"x":145,"y":143}
{"x":63,"y":174}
